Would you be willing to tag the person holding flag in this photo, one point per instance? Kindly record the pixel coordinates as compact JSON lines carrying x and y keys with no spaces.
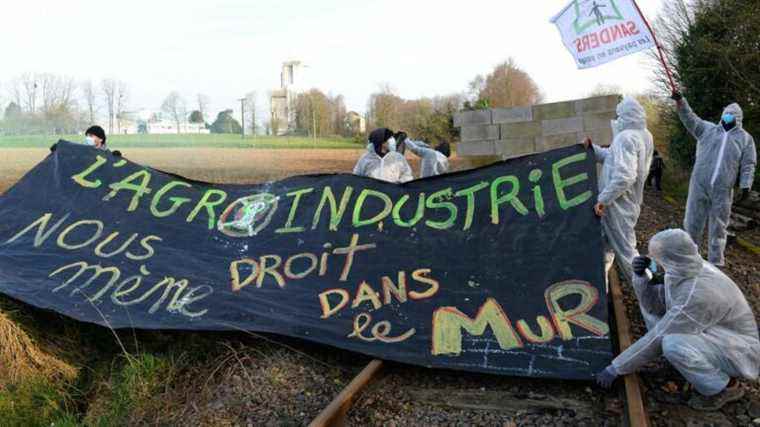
{"x":725,"y":151}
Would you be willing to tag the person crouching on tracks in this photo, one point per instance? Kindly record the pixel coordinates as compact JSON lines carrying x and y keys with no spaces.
{"x":434,"y":161}
{"x":382,"y":160}
{"x":621,"y":185}
{"x":700,"y":321}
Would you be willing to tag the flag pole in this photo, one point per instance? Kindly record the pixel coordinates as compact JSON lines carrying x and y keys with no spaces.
{"x":659,"y":48}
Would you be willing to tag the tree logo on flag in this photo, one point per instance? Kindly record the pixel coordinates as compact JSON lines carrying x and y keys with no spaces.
{"x":591,"y":13}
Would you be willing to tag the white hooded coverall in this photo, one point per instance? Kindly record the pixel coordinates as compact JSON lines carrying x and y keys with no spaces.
{"x":392,"y":167}
{"x":621,"y":184}
{"x":433,"y":162}
{"x":721,"y":157}
{"x":699,"y":319}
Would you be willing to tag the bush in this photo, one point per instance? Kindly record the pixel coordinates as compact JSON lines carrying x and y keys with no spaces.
{"x":225,"y":123}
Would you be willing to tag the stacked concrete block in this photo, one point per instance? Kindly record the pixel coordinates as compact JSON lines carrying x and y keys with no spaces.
{"x":514,"y":132}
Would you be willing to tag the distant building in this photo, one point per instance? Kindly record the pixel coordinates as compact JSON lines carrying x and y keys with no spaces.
{"x":156,"y":123}
{"x":356,"y":122}
{"x":292,"y":82}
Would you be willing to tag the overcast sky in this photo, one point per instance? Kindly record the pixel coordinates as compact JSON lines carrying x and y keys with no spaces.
{"x":225,"y":48}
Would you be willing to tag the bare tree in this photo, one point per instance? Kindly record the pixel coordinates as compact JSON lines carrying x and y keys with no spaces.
{"x":384,"y":107}
{"x":57,"y":108}
{"x":250,"y":105}
{"x":23,"y":91}
{"x":109,"y":95}
{"x":122,"y":98}
{"x":203,"y":105}
{"x":90,"y":99}
{"x":56,"y":93}
{"x":174,"y":105}
{"x":339,"y":114}
{"x":671,"y":25}
{"x":507,"y":86}
{"x":476,"y":86}
{"x":29,"y":82}
{"x":14,"y":91}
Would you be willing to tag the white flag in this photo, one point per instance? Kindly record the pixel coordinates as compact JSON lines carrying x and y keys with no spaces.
{"x":599,"y":31}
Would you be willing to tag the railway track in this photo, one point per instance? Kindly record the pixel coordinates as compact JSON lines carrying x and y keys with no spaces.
{"x":334,"y":415}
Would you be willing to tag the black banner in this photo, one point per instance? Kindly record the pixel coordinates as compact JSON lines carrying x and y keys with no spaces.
{"x":496,"y":270}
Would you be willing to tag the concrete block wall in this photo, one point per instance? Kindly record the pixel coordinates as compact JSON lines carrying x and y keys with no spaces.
{"x":514,"y":132}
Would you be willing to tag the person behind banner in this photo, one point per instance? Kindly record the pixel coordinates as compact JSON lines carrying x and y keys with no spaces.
{"x":382,"y":161}
{"x":94,"y":136}
{"x":434,"y":161}
{"x":655,"y":171}
{"x":697,"y":318}
{"x":725,"y":151}
{"x":621,"y":183}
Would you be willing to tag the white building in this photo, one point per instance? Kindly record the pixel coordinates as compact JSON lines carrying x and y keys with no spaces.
{"x":157,"y":123}
{"x":356,"y":122}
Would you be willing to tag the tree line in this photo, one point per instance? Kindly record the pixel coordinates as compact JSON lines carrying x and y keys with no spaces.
{"x":46,"y":103}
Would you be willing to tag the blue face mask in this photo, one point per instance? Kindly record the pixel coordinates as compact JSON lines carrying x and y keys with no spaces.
{"x":728,"y":118}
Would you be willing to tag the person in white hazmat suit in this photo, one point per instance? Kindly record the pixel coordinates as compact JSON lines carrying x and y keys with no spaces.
{"x":724,"y":151}
{"x":382,"y":161}
{"x":434,"y":161}
{"x":621,"y":184}
{"x":699,"y":320}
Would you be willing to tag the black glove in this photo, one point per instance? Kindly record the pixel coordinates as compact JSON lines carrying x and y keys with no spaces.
{"x":640,"y":265}
{"x":400,"y":136}
{"x":116,"y":153}
{"x":744,"y":195}
{"x":657,"y":279}
{"x":676,"y":96}
{"x":53,"y":148}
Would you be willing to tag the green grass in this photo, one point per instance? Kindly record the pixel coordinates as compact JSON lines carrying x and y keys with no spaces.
{"x":186,"y":141}
{"x":36,"y":402}
{"x":134,"y":389}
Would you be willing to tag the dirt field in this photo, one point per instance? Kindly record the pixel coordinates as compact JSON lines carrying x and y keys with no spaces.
{"x":220,"y":165}
{"x":208,"y":164}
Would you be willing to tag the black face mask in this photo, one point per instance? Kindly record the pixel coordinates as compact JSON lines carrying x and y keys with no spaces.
{"x":728,"y":126}
{"x":379,"y":149}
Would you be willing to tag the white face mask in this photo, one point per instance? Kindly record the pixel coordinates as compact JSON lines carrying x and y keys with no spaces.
{"x":392,"y":144}
{"x":88,"y":140}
